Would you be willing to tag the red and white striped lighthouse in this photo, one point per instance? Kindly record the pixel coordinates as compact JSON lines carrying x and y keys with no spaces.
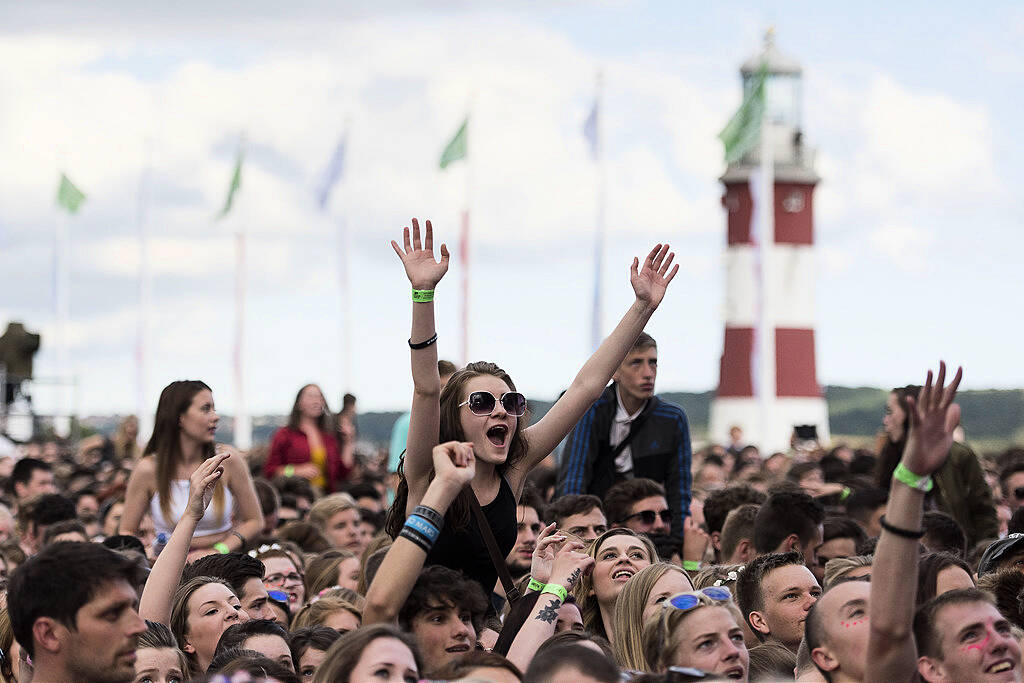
{"x":767,"y":382}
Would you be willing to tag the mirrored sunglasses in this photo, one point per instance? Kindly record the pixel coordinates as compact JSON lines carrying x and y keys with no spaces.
{"x":689,"y":600}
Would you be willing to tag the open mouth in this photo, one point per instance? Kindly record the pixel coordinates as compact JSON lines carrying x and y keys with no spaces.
{"x":497,"y":434}
{"x":454,"y":649}
{"x":735,"y":673}
{"x":1000,"y":667}
{"x":623,"y":575}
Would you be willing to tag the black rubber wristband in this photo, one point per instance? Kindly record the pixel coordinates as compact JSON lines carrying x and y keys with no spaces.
{"x":905,"y":533}
{"x":416,"y":538}
{"x":429,"y":514}
{"x":423,"y":344}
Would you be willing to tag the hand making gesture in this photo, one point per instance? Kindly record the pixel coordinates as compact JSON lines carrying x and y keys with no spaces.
{"x":652,"y":280}
{"x":932,"y":416}
{"x":420,"y":267}
{"x":202,"y":483}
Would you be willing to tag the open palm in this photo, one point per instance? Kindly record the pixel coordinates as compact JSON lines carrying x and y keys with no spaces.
{"x":418,"y":258}
{"x":651,"y":281}
{"x":933,"y":417}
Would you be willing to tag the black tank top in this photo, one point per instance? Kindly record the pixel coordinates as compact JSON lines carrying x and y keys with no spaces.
{"x":466,"y":550}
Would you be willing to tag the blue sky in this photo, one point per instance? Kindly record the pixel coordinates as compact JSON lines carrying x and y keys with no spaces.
{"x":913,"y":108}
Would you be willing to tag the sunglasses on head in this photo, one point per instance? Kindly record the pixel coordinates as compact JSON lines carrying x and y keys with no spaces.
{"x":689,"y":600}
{"x":482,"y":403}
{"x":279,"y":596}
{"x":648,"y":516}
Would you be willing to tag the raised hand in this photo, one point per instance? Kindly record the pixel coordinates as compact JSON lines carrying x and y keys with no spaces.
{"x":571,"y":563}
{"x":933,"y":416}
{"x":695,"y":541}
{"x":544,"y":553}
{"x":420,"y":267}
{"x":454,"y":464}
{"x":202,"y":483}
{"x":652,"y":280}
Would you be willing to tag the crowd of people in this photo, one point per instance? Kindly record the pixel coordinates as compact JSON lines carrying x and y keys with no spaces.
{"x":591,"y":545}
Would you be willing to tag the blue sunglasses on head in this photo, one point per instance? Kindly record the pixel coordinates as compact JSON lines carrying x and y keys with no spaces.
{"x":279,"y":596}
{"x":690,"y":599}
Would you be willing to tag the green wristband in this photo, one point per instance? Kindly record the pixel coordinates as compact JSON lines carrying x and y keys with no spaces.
{"x":422,"y":296}
{"x":691,"y":565}
{"x":914,"y":481}
{"x":534,"y":585}
{"x":221,"y":548}
{"x":289,"y":470}
{"x":556,"y":590}
{"x":845,"y":493}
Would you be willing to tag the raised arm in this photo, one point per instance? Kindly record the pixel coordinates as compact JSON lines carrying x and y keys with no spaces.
{"x":892,"y":652}
{"x":163,"y":580}
{"x":454,"y":466}
{"x":424,"y":273}
{"x":571,"y":563}
{"x":649,"y":285}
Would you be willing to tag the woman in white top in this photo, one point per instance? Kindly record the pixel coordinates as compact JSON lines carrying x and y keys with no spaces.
{"x":183,"y":437}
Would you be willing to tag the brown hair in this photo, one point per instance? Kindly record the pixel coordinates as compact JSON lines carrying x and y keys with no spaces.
{"x":451,"y":430}
{"x":179,"y":613}
{"x":344,"y":655}
{"x":324,"y":422}
{"x":629,"y":609}
{"x":315,"y":613}
{"x":322,"y":571}
{"x":659,"y":629}
{"x":165,"y":443}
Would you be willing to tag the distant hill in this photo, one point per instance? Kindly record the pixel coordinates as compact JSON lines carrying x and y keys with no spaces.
{"x":995,"y":415}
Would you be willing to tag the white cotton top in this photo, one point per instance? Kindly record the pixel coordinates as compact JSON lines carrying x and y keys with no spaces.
{"x":211,"y":523}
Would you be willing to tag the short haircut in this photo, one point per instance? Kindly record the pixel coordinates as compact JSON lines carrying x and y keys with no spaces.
{"x":738,"y":526}
{"x":234,"y":636}
{"x":572,"y":504}
{"x":450,"y":588}
{"x":843,"y":527}
{"x":749,"y":595}
{"x":461,"y":666}
{"x":295,"y":486}
{"x":124,"y":542}
{"x":364,"y":489}
{"x":644,"y":341}
{"x":837,"y":568}
{"x":51,"y":508}
{"x":1006,"y":585}
{"x":235,"y":568}
{"x":259,"y":667}
{"x":531,"y":498}
{"x":22,"y":472}
{"x":328,"y":506}
{"x":862,"y":504}
{"x":546,"y":664}
{"x":311,"y":637}
{"x":719,"y":503}
{"x":771,"y":662}
{"x":942,"y":532}
{"x":68,"y":526}
{"x":814,"y":633}
{"x":929,"y":640}
{"x":270,"y":499}
{"x":58,"y":581}
{"x":620,"y":498}
{"x":308,"y":537}
{"x":786,"y":513}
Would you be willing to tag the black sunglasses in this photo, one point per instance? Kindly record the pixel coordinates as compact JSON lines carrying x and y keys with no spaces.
{"x":483,"y":402}
{"x":648,"y":516}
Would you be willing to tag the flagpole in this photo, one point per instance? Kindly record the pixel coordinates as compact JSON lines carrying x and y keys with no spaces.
{"x":62,"y":418}
{"x":243,"y":423}
{"x":345,"y":333}
{"x":766,"y":229}
{"x":464,"y":249}
{"x":145,"y":417}
{"x":600,"y":228}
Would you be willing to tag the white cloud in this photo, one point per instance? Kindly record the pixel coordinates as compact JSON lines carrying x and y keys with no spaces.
{"x":904,"y":245}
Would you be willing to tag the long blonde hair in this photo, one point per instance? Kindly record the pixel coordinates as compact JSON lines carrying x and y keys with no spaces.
{"x":584,"y":590}
{"x":661,"y":627}
{"x":629,"y":610}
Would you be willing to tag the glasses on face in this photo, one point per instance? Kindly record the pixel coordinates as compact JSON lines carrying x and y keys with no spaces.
{"x":648,"y":516}
{"x":483,"y":402}
{"x":281,"y":579}
{"x":687,"y":601}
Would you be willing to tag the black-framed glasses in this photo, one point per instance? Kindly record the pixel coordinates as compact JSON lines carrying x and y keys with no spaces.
{"x":690,"y":599}
{"x":648,"y":516}
{"x":483,"y":402}
{"x":281,"y":579}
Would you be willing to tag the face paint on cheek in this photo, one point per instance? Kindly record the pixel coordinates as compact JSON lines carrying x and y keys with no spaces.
{"x":849,"y":624}
{"x":977,"y":646}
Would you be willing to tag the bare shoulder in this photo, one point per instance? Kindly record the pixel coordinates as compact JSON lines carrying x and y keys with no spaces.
{"x":237,"y":465}
{"x":145,"y":469}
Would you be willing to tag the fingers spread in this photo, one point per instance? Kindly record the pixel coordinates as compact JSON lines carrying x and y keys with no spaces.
{"x":405,"y":239}
{"x":394,"y":245}
{"x":444,"y":253}
{"x":665,"y":265}
{"x":417,"y":245}
{"x":428,"y":240}
{"x":951,"y":389}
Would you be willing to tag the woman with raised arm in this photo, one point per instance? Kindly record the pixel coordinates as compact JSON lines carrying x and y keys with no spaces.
{"x":480,"y":405}
{"x":183,"y":439}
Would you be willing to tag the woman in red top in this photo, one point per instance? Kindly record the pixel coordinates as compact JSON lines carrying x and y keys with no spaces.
{"x":306,"y":447}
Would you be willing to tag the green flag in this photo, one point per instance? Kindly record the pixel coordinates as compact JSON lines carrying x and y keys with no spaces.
{"x":236,"y":182}
{"x":456,"y":149}
{"x":69,"y":196}
{"x":744,"y":128}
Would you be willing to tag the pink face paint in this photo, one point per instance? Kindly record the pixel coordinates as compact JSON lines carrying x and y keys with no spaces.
{"x":978,"y":646}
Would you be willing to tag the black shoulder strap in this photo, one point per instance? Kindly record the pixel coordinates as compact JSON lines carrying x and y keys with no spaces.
{"x":511,"y":592}
{"x":634,"y":427}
